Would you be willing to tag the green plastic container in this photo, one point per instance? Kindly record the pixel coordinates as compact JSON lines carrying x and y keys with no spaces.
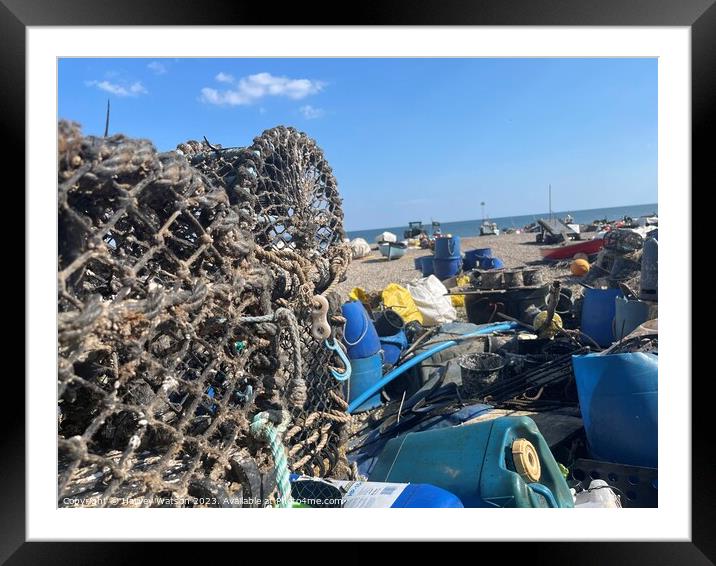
{"x":475,"y":462}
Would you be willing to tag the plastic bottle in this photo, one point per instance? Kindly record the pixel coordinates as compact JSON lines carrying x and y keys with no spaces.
{"x":387,"y":495}
{"x":599,"y":494}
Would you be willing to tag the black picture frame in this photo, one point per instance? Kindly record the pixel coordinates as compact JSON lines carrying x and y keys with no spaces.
{"x":699,"y":15}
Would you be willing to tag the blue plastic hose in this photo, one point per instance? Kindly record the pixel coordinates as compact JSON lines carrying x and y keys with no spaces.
{"x":387,"y":378}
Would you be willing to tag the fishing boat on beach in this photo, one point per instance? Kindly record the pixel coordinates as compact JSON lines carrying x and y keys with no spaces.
{"x":488,"y":228}
{"x":393,"y":250}
{"x":567,"y":252}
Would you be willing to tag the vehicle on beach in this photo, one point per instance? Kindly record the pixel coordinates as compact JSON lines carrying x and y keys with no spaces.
{"x":415,"y":229}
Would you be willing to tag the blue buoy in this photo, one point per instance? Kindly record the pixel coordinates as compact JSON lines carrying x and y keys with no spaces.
{"x":360,"y":336}
{"x":618,"y":398}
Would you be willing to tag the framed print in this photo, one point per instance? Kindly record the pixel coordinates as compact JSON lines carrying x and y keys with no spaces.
{"x":406,"y":261}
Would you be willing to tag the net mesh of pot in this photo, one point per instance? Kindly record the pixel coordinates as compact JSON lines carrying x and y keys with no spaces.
{"x":478,"y":371}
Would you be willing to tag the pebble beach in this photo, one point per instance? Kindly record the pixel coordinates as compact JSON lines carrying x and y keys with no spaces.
{"x":374,"y":272}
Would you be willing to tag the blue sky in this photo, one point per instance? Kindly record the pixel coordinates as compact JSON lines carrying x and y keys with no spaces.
{"x":407,"y":139}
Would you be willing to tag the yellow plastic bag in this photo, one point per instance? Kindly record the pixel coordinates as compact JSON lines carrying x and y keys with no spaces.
{"x":459,"y":300}
{"x":358,"y":294}
{"x":398,"y":298}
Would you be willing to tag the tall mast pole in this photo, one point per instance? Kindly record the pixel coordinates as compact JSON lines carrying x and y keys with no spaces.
{"x":550,"y":202}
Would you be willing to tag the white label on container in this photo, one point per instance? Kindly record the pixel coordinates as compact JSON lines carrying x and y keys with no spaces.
{"x":370,"y":494}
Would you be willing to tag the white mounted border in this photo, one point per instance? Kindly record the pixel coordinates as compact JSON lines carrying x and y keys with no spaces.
{"x":671,"y":521}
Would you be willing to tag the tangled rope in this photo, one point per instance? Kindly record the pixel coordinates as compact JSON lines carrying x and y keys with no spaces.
{"x":184,"y":287}
{"x":262,"y":428}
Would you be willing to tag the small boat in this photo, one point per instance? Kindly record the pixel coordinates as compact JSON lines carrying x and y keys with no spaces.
{"x":393,"y":250}
{"x":567,"y":252}
{"x":489,"y":229}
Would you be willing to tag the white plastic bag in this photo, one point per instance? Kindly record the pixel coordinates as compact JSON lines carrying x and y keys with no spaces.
{"x":430,"y":298}
{"x":359,"y":248}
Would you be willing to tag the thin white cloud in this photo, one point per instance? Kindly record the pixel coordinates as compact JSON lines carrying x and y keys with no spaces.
{"x":311,"y":113}
{"x":255,"y":87}
{"x":134,"y":89}
{"x":157,"y":68}
{"x":224,"y":78}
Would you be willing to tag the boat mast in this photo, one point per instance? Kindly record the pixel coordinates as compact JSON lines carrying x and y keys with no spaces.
{"x":482,"y":204}
{"x":550,"y":202}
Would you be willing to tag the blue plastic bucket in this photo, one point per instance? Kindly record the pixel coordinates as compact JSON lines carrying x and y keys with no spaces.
{"x":417,"y":262}
{"x":491,"y":263}
{"x":618,"y":397}
{"x":393,"y":346}
{"x":360,"y":337}
{"x":447,"y":248}
{"x":426,"y":265}
{"x":364,"y":373}
{"x":446,"y":268}
{"x":628,"y":315}
{"x":598,"y":312}
{"x":472,"y":257}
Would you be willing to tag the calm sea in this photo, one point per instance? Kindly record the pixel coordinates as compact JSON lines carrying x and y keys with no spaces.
{"x":468,"y":228}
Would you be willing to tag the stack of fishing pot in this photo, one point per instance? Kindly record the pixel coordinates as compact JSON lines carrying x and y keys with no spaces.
{"x":364,"y":351}
{"x":447,"y":261}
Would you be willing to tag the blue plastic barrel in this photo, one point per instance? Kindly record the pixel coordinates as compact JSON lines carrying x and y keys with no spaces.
{"x":618,"y":397}
{"x":598,"y":312}
{"x":417,"y":262}
{"x":393,"y":346}
{"x":364,"y":373}
{"x":426,"y":265}
{"x":360,"y":337}
{"x":628,"y":315}
{"x":491,"y":263}
{"x":447,"y":248}
{"x":446,"y":268}
{"x":472,"y":257}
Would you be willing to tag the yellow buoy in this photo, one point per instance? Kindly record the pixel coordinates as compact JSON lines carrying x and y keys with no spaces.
{"x":547,"y":332}
{"x":579,"y":267}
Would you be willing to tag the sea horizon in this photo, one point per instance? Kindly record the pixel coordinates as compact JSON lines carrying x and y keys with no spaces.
{"x":467,"y":228}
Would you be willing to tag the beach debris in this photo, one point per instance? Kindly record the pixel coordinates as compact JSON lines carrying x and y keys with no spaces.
{"x":429,"y":295}
{"x":359,"y":248}
{"x":399,"y":299}
{"x":386,"y":237}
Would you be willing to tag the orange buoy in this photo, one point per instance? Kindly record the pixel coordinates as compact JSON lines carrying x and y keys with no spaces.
{"x":579,"y":267}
